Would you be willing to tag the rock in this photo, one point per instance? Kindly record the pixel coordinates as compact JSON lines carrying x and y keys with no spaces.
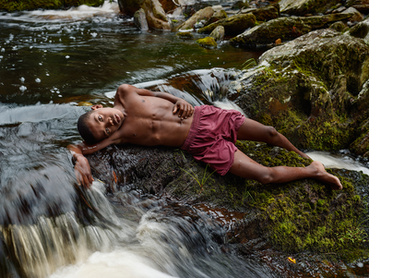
{"x":129,"y":7}
{"x":218,"y":33}
{"x":309,"y":89}
{"x":185,"y":35}
{"x":155,"y":15}
{"x":203,"y":14}
{"x":233,"y":25}
{"x":303,"y":7}
{"x":284,"y":28}
{"x":266,"y":13}
{"x":207,"y":42}
{"x":356,"y":15}
{"x":361,"y":5}
{"x":140,"y":20}
{"x":287,"y":218}
{"x":170,"y":5}
{"x":338,"y":26}
{"x":218,"y":14}
{"x":360,"y":30}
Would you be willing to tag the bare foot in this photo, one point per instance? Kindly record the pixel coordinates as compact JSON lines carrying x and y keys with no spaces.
{"x":325,"y":177}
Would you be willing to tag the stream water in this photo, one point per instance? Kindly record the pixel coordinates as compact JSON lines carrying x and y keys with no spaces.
{"x":51,"y":62}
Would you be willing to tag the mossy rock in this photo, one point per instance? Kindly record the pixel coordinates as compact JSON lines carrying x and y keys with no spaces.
{"x":12,"y":6}
{"x":284,"y":28}
{"x":207,"y":42}
{"x":301,"y":216}
{"x":233,"y":25}
{"x":316,"y":94}
{"x":302,"y":7}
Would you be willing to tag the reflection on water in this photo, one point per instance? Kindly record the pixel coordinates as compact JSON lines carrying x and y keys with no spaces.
{"x":54,"y":56}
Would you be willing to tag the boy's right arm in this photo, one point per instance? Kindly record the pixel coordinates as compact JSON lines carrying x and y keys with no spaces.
{"x":82,"y":169}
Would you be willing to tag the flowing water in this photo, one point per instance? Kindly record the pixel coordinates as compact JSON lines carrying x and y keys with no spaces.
{"x":51,"y":62}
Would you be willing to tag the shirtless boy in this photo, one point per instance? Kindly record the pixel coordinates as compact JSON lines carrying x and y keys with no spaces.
{"x":143,"y":117}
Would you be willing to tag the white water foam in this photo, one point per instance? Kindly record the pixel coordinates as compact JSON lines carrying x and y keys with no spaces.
{"x":76,"y":13}
{"x":116,"y":264}
{"x":338,"y":161}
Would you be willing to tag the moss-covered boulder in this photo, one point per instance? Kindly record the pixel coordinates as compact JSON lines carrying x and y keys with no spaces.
{"x":233,"y":25}
{"x":284,"y":28}
{"x":302,"y":217}
{"x":313,"y":89}
{"x":266,"y":13}
{"x":207,"y":42}
{"x":12,"y":6}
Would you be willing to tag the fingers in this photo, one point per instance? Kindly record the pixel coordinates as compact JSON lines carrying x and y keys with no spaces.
{"x":184,"y":109}
{"x":83,"y":176}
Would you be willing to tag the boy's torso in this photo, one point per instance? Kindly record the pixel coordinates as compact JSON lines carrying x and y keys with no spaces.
{"x":149,"y":121}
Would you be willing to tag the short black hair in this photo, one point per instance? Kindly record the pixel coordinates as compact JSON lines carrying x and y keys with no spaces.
{"x":84,"y":130}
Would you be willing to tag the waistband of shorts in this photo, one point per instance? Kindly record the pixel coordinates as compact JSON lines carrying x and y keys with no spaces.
{"x":192,"y":130}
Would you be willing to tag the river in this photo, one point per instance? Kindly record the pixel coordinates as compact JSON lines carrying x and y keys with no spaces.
{"x":52,"y":63}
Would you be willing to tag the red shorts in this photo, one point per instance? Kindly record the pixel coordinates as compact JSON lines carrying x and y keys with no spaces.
{"x":212,"y":136}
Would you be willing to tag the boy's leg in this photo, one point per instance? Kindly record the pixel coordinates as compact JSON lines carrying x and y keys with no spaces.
{"x":244,"y":166}
{"x":255,"y":131}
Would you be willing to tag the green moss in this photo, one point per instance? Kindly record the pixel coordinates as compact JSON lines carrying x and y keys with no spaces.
{"x":207,"y":42}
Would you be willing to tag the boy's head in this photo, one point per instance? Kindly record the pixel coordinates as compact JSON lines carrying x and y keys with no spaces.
{"x":100,"y":123}
{"x":84,"y":130}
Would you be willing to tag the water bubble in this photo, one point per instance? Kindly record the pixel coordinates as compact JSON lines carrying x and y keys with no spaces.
{"x":23,"y":88}
{"x":67,"y":57}
{"x":22,"y":79}
{"x":37,"y":80}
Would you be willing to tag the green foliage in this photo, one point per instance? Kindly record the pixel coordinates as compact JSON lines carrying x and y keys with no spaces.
{"x":199,"y":181}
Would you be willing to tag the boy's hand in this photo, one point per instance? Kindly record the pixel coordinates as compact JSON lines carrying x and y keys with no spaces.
{"x":82,"y":171}
{"x":183,"y":108}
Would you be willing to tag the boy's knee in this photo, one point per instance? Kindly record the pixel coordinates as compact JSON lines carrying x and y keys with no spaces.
{"x":265,"y":178}
{"x":271,"y":131}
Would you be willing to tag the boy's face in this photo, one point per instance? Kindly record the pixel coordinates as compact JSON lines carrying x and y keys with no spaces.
{"x":103,"y":122}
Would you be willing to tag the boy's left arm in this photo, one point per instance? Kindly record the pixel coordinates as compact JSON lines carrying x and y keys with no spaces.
{"x":182,"y":107}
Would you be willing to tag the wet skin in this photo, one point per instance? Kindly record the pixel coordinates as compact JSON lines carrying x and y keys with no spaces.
{"x":150,"y":118}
